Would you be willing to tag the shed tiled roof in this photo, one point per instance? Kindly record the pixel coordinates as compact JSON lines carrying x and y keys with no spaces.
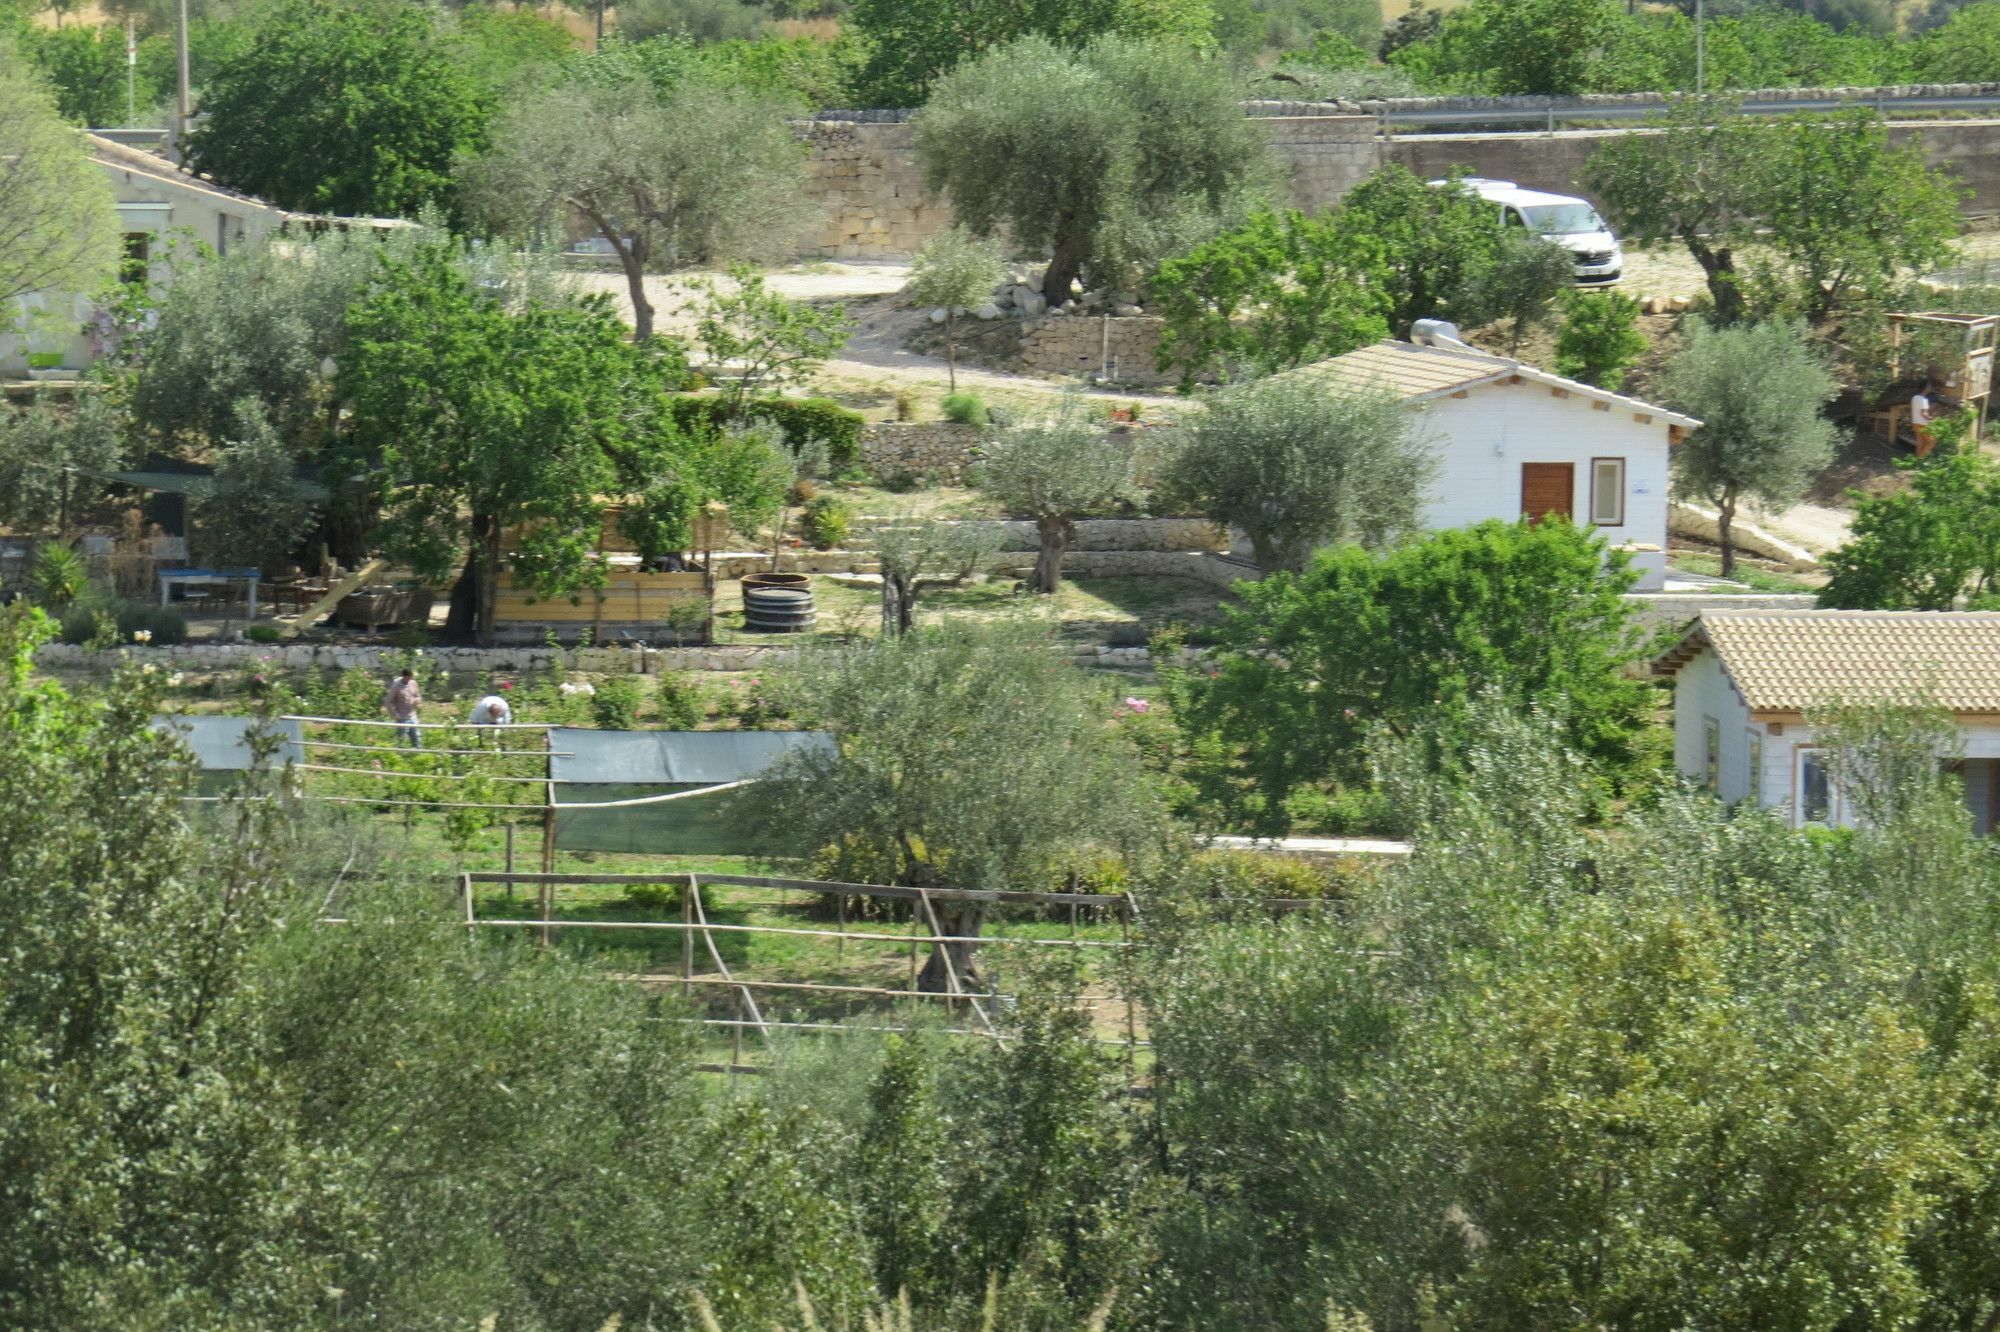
{"x":1417,"y":373}
{"x":1408,"y":370}
{"x":1787,"y":661}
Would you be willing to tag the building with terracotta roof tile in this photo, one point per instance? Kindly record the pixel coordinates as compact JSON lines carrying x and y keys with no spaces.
{"x":1515,"y":441}
{"x":1744,"y":682}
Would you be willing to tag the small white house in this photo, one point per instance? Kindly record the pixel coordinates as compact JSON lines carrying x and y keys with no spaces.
{"x":158,"y":202}
{"x":1743,"y":681}
{"x":1513,"y":441}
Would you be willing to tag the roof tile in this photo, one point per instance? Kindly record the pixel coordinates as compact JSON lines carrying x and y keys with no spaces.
{"x":1789,"y":661}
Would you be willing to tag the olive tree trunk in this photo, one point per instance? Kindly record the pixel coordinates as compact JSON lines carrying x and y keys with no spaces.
{"x":1725,"y":523}
{"x":1057,"y":534}
{"x":956,"y":920}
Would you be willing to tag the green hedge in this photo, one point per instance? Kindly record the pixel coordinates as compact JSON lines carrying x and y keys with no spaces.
{"x":167,"y":625}
{"x":800,"y":418}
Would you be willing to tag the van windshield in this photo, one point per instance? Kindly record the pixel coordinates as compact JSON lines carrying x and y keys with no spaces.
{"x":1568,"y":219}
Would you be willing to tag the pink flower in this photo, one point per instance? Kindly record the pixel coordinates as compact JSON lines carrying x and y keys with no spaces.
{"x":1349,"y":713}
{"x":1138,"y":705}
{"x":506,"y":684}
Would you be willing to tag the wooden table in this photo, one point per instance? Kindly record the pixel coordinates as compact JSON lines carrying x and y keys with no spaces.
{"x":187,"y":578}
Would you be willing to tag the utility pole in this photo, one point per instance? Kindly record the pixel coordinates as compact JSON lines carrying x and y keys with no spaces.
{"x":1700,"y":47}
{"x":182,"y":106}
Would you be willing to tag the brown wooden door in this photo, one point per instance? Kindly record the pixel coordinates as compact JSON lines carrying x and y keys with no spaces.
{"x":1548,"y":489}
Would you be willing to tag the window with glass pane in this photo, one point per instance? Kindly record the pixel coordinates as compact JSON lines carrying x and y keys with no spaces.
{"x":1607,"y":492}
{"x":1755,"y":789}
{"x":1711,"y":757}
{"x":1815,"y":791}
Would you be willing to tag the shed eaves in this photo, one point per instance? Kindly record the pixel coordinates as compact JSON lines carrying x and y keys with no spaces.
{"x":1415,"y":373}
{"x":1789,"y":661}
{"x":1407,"y":370}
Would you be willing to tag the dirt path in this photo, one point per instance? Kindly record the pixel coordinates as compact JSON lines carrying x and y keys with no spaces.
{"x":1817,"y":527}
{"x":875,"y":362}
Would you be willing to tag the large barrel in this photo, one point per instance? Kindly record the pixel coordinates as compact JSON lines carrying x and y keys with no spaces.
{"x":778,"y":603}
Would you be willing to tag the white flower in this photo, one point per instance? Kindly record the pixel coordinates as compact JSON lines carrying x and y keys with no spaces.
{"x":579,"y":687}
{"x":142,"y":635}
{"x":175,"y":678}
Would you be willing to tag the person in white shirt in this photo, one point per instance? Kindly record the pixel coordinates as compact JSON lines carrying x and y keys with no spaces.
{"x":491,"y":711}
{"x":1921,"y":412}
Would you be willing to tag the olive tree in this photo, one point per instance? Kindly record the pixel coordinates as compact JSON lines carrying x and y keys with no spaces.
{"x":695,"y":172}
{"x":1054,"y":473}
{"x":54,"y":460}
{"x":954,"y":270}
{"x":256,"y":510}
{"x":1758,"y":391}
{"x":58,"y":225}
{"x":916,"y":553}
{"x":1054,"y":145}
{"x":1295,"y":464}
{"x":963,"y":757}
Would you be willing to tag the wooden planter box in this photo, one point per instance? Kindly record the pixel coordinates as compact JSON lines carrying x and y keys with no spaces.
{"x":373,"y":607}
{"x":632,"y":604}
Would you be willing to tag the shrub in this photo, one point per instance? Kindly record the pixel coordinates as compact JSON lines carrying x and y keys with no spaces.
{"x":615,"y":706}
{"x":824,"y":522}
{"x":164,"y":623}
{"x":59,"y":577}
{"x":799,"y":419}
{"x":680,"y":704}
{"x":964,"y":408}
{"x":263,"y":633}
{"x":1600,"y":339}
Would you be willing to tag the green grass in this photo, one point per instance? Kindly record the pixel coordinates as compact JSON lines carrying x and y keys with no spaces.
{"x":1752,"y":576}
{"x":1122,"y":611}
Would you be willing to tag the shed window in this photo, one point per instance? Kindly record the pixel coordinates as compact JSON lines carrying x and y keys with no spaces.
{"x":136,"y":265}
{"x":1754,"y":790}
{"x":1711,"y":753}
{"x":1815,"y":790}
{"x":1607,"y":492}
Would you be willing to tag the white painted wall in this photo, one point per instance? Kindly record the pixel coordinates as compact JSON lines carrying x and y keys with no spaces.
{"x":1483,"y":439}
{"x":1702,"y":690}
{"x":152,"y":200}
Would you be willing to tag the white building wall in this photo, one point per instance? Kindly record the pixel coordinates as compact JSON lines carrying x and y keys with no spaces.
{"x":1701,"y":693}
{"x":1483,"y":439}
{"x":1702,"y":690}
{"x":150,"y":199}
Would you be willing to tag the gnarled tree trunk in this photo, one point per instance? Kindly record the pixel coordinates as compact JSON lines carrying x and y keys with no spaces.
{"x":1725,"y":523}
{"x":1056,"y":534}
{"x":1065,"y":261}
{"x":955,"y":920}
{"x":1719,"y":266}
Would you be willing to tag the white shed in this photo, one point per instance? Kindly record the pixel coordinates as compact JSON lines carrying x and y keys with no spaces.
{"x":1743,"y":681}
{"x":1513,"y":440}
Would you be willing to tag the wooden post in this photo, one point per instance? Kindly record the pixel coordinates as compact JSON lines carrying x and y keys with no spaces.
{"x":1131,"y":1014}
{"x":510,"y":858}
{"x":549,"y":809}
{"x":736,"y":1043}
{"x":687,"y":936}
{"x":548,"y":904}
{"x":840,"y":944}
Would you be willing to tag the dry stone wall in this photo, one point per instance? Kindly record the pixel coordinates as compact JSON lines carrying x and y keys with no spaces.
{"x":867,"y":176}
{"x":937,"y":449}
{"x":864,"y":170}
{"x":1086,"y":344}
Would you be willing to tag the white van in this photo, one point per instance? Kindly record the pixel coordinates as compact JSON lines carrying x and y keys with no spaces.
{"x":1561,"y":218}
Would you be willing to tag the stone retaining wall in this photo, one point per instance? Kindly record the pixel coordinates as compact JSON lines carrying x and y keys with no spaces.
{"x":864,"y":170}
{"x":471,"y":661}
{"x":1088,"y":344}
{"x":939,"y":449}
{"x":864,"y":165}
